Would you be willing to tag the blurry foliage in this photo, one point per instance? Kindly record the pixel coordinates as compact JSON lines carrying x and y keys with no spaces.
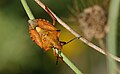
{"x":19,"y":55}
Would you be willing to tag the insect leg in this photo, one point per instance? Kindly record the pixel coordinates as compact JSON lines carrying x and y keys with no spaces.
{"x":64,"y":43}
{"x":72,"y":40}
{"x":57,"y":59}
{"x":56,"y":55}
{"x":59,"y":56}
{"x":51,"y":15}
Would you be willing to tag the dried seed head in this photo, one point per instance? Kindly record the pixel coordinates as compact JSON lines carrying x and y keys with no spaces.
{"x":93,"y":23}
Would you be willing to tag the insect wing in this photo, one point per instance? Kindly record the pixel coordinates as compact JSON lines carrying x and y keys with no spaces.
{"x":36,"y":37}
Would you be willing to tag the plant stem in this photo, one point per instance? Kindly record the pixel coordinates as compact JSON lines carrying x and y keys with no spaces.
{"x":68,"y":62}
{"x":65,"y":59}
{"x":112,"y":34}
{"x":27,"y":9}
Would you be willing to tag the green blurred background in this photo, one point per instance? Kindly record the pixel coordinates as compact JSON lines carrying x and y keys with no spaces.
{"x":19,"y":55}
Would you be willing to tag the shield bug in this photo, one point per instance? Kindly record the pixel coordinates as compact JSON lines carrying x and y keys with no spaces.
{"x":44,"y":34}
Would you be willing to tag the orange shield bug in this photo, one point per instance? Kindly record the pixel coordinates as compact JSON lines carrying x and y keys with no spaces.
{"x":44,"y":34}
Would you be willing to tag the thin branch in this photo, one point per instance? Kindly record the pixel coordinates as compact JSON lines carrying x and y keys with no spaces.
{"x":77,"y":35}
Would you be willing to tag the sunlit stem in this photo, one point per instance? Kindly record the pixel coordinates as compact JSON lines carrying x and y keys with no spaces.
{"x":68,"y":62}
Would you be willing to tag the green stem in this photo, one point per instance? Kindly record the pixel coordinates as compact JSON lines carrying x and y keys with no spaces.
{"x":27,"y":9}
{"x":111,"y":37}
{"x":65,"y":59}
{"x":68,"y":62}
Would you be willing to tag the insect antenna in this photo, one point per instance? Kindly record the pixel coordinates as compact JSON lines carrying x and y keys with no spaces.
{"x":64,"y":43}
{"x":51,"y":15}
